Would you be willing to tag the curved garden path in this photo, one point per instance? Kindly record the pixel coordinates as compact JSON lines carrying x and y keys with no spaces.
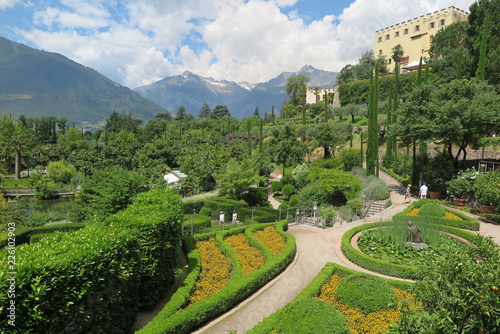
{"x":315,"y":247}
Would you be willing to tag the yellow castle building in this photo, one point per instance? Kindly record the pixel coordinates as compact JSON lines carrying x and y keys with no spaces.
{"x":415,"y":36}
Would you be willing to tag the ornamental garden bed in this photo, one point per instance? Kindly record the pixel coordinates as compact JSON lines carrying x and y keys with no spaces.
{"x":340,"y":300}
{"x":224,"y":268}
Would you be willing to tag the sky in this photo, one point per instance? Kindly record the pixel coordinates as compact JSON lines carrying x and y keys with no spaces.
{"x":137,"y":42}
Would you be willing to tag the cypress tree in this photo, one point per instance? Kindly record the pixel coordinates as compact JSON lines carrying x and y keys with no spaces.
{"x":260,"y":137}
{"x":272,"y":115}
{"x":390,"y":146}
{"x":249,"y":140}
{"x":480,"y":72}
{"x":326,"y":106}
{"x":372,"y":140}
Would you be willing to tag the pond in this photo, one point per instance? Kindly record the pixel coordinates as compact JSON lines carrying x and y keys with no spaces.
{"x":41,"y":212}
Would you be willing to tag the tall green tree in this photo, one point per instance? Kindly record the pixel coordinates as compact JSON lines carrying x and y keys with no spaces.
{"x":284,"y":148}
{"x":479,"y":11}
{"x":20,"y":142}
{"x":448,"y":49}
{"x":236,"y":177}
{"x":220,"y":112}
{"x":205,"y":111}
{"x":458,"y":113}
{"x":296,"y":87}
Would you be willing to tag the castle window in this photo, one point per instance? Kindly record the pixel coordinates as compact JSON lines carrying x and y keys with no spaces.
{"x":396,"y":34}
{"x":387,"y":37}
{"x":441,"y":22}
{"x":431,"y":25}
{"x":380,"y":39}
{"x":406,"y":31}
{"x":417,"y":27}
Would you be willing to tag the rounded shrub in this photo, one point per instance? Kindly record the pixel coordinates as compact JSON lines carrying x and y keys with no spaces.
{"x":276,"y":186}
{"x":367,"y":293}
{"x":293,"y":201}
{"x":205,"y":211}
{"x":432,"y":209}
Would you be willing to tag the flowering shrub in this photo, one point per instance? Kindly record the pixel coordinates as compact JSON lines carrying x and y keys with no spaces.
{"x":215,"y":271}
{"x":487,"y":188}
{"x":251,"y":258}
{"x":462,"y":186}
{"x":373,"y":322}
{"x":271,"y":239}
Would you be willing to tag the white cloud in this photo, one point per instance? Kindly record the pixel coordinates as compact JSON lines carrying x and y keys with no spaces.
{"x":4,"y":4}
{"x":136,"y":42}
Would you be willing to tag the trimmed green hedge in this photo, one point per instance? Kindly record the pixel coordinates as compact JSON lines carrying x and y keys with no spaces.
{"x":171,"y":321}
{"x":199,"y":221}
{"x":24,"y":234}
{"x":261,"y":214}
{"x":83,"y":282}
{"x":155,"y":217}
{"x":386,"y":268}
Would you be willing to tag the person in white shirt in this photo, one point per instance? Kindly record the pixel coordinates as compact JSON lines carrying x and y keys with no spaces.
{"x":423,"y":191}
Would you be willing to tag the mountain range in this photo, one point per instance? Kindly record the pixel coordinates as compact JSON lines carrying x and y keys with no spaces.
{"x":37,"y":83}
{"x":191,"y":91}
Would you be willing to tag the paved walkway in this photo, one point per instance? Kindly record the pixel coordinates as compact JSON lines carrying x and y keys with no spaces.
{"x":315,"y":247}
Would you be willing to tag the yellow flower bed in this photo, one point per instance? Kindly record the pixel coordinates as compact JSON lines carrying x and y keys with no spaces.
{"x":360,"y":323}
{"x":271,"y":239}
{"x":215,"y":271}
{"x":413,"y":212}
{"x":251,"y":258}
{"x":452,"y":216}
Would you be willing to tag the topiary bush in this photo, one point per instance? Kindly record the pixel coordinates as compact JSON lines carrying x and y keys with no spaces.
{"x":367,"y":293}
{"x":432,"y":209}
{"x":276,"y":186}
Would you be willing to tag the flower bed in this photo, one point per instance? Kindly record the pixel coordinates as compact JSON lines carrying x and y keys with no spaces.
{"x":215,"y":271}
{"x":359,"y":322}
{"x":271,"y":239}
{"x":175,"y":319}
{"x":250,"y":257}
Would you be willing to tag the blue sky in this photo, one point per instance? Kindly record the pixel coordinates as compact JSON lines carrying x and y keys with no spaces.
{"x":136,"y":42}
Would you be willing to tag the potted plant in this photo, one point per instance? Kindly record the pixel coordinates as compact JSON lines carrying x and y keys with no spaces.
{"x":487,"y":188}
{"x":461,"y":188}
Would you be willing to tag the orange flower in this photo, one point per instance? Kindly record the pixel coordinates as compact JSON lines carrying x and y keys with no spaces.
{"x":494,"y":288}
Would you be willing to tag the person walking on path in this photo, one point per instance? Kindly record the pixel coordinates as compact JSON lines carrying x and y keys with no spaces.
{"x":423,"y":191}
{"x":407,"y":194}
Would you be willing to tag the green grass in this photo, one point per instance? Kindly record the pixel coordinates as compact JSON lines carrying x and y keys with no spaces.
{"x":12,"y":183}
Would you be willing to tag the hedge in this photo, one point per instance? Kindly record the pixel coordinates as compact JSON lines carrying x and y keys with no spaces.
{"x":386,"y":268}
{"x":171,"y":321}
{"x":155,"y":217}
{"x":24,"y":234}
{"x":198,"y":221}
{"x":78,"y":282}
